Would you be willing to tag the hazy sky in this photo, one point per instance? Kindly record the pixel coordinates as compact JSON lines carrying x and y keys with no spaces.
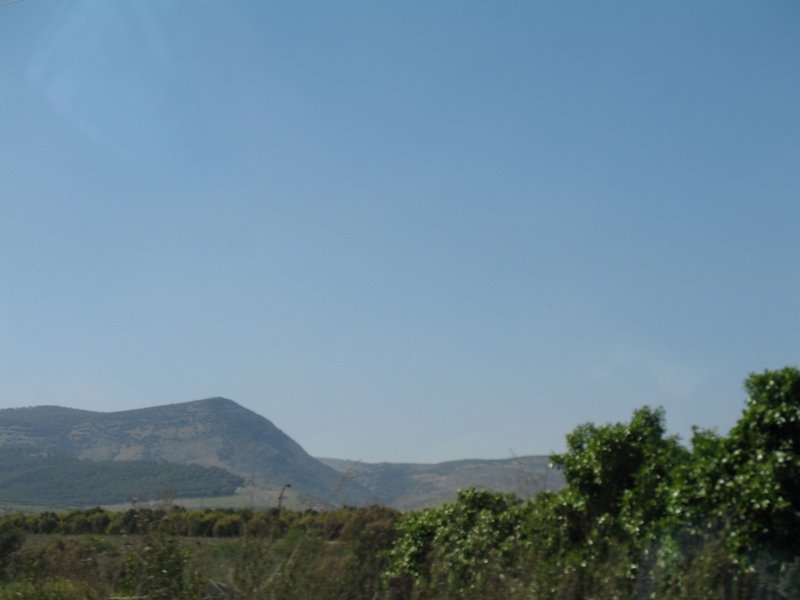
{"x":400,"y":230}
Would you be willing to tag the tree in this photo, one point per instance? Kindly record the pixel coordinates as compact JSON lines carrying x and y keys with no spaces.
{"x":748,"y":484}
{"x":11,"y":540}
{"x":462,"y":549}
{"x":620,"y":473}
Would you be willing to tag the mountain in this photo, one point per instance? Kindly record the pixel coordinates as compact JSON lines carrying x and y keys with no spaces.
{"x":412,"y":485}
{"x":212,"y":433}
{"x":221,"y":434}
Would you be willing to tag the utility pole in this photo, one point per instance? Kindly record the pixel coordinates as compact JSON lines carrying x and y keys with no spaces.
{"x":280,"y":496}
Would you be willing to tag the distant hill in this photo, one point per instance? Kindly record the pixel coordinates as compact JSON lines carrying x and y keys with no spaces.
{"x":28,"y":475}
{"x":131,"y":453}
{"x":211,"y":433}
{"x":412,"y":485}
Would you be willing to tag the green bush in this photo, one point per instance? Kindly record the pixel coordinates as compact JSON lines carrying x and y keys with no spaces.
{"x":50,"y":590}
{"x":156,"y":568}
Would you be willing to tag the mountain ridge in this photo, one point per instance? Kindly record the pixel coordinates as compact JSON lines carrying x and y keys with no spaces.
{"x":212,"y":432}
{"x":219,"y":433}
{"x":409,"y":486}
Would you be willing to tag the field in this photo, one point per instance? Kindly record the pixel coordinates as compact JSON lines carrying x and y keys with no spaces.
{"x":301,"y":555}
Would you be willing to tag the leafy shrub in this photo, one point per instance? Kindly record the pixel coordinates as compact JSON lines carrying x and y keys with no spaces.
{"x":156,"y":568}
{"x":460,"y":550}
{"x":50,"y":590}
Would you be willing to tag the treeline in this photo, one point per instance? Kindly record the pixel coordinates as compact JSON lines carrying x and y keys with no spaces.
{"x":642,"y":516}
{"x":177,"y":521}
{"x":59,"y":479}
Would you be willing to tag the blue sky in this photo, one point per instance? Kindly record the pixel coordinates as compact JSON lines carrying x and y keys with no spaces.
{"x":404,"y":231}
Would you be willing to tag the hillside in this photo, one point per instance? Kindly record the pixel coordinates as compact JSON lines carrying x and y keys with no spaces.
{"x":63,"y":480}
{"x":413,"y":485}
{"x":212,"y":433}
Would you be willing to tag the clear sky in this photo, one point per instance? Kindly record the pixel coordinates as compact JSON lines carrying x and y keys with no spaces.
{"x":400,"y":230}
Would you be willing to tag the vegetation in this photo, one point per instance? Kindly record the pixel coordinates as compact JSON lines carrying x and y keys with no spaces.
{"x":60,"y":479}
{"x":641,"y":517}
{"x":278,"y":554}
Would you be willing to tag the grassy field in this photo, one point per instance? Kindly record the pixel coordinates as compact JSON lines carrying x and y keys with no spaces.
{"x":327,"y":556}
{"x":255,"y":498}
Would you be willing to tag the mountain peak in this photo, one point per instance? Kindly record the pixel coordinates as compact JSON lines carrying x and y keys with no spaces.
{"x":216,"y":400}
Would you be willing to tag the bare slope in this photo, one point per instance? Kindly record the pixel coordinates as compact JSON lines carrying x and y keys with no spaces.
{"x":215,"y":433}
{"x":413,"y":485}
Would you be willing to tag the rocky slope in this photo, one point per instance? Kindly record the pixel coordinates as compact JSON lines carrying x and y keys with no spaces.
{"x":215,"y":433}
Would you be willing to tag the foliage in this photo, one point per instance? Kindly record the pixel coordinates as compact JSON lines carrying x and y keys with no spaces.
{"x":63,"y":589}
{"x":306,"y":554}
{"x":641,"y":516}
{"x":620,"y":474}
{"x":156,"y":568}
{"x":59,"y":559}
{"x":60,"y":479}
{"x":11,"y":540}
{"x":748,"y":484}
{"x":587,"y":539}
{"x":461,"y":549}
